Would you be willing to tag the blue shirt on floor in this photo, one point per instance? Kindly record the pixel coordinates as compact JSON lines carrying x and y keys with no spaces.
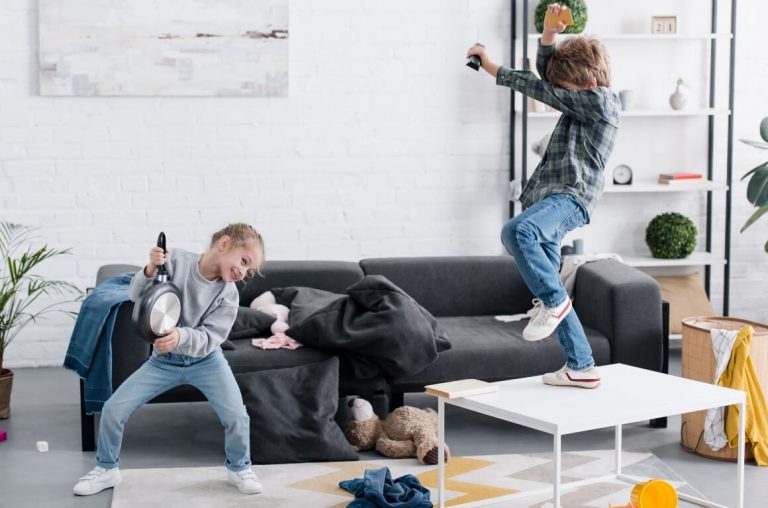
{"x":377,"y":490}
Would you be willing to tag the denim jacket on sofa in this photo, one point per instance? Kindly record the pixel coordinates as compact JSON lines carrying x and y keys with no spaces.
{"x":90,"y":346}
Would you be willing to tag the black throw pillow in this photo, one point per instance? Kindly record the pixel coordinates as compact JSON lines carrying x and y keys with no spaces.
{"x":251,"y":323}
{"x":292,"y":414}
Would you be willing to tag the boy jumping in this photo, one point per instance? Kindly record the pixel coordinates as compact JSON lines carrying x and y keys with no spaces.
{"x":564,"y":189}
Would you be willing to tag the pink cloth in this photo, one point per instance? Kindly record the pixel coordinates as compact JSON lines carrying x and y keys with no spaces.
{"x":277,"y":341}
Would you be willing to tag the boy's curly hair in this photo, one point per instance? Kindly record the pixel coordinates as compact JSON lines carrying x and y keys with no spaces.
{"x":579,"y":60}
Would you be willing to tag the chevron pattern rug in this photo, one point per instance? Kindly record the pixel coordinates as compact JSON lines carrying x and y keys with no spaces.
{"x":469,"y":481}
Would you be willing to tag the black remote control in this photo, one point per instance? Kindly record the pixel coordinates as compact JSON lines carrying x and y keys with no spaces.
{"x":474,"y":62}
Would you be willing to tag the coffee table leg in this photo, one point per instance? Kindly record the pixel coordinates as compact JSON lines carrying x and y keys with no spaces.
{"x":740,"y":473}
{"x":441,"y":452}
{"x":618,"y":449}
{"x":556,"y":479}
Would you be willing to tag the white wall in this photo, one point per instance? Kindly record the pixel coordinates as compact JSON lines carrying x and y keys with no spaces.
{"x":387,"y":145}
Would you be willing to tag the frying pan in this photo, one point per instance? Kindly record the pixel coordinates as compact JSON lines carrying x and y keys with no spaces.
{"x":159,"y":306}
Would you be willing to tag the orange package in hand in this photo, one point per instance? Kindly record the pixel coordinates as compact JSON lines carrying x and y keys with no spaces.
{"x":550,"y":20}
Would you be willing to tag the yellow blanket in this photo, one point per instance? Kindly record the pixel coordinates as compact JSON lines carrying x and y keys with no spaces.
{"x":740,"y":375}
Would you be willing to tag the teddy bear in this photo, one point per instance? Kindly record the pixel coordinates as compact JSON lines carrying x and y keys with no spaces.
{"x":405,"y":432}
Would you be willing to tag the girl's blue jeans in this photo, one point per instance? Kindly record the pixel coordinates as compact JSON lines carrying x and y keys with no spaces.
{"x":533,"y":238}
{"x":210,"y":374}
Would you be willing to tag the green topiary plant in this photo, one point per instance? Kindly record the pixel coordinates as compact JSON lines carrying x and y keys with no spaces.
{"x":578,"y":11}
{"x":671,"y":236}
{"x":757,"y":189}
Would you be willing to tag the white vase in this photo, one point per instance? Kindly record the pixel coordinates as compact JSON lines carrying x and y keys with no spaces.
{"x":678,"y":99}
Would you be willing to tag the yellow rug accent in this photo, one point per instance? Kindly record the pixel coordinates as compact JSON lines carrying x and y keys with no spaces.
{"x":472,"y":491}
{"x":329,"y":483}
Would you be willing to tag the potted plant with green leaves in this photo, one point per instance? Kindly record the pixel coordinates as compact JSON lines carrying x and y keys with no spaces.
{"x":25,"y":296}
{"x":757,"y":188}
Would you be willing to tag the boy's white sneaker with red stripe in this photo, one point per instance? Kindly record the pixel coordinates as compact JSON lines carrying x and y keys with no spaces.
{"x":585,"y":378}
{"x":544,"y":320}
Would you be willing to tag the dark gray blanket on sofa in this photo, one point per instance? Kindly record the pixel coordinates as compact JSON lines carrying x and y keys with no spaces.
{"x":376,"y":327}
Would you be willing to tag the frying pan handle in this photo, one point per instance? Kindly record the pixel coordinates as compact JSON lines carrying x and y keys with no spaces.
{"x":161,"y":242}
{"x":161,"y":270}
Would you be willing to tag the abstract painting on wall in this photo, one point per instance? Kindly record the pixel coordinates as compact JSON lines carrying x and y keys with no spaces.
{"x":163,"y":47}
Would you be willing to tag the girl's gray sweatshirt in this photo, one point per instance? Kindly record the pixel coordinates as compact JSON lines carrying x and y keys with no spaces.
{"x":209,"y":307}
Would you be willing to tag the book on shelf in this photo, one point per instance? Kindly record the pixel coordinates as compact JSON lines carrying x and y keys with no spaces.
{"x":680,"y":175}
{"x":681,"y":181}
{"x":461,"y":388}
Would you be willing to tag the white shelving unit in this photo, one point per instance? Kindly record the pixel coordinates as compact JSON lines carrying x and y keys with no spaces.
{"x":646,"y":112}
{"x":717,"y":176}
{"x":695,"y":259}
{"x":652,"y":187}
{"x":649,"y":37}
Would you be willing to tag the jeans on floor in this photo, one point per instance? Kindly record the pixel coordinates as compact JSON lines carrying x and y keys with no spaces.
{"x":533,"y":238}
{"x":210,"y":374}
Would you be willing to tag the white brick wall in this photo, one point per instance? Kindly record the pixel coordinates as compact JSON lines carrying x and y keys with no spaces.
{"x":387,"y":145}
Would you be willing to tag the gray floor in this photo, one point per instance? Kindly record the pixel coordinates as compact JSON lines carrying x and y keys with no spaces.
{"x":45,"y":408}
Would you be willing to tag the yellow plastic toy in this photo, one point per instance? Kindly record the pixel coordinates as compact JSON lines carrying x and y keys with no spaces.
{"x":652,"y":494}
{"x":550,"y":20}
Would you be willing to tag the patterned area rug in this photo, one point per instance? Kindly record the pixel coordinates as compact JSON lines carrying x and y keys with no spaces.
{"x":469,"y":480}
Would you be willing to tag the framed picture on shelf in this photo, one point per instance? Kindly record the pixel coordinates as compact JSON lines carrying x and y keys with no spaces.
{"x":664,"y":24}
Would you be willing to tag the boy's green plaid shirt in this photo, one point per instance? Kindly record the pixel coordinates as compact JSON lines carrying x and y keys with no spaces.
{"x":581,"y":142}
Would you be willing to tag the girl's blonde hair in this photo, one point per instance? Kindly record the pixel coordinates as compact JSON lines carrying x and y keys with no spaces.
{"x":242,"y":235}
{"x":579,"y":60}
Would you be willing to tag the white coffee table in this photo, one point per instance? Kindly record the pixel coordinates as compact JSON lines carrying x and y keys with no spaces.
{"x":627,"y":395}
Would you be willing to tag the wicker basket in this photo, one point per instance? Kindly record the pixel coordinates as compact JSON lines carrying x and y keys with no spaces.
{"x":699,"y":364}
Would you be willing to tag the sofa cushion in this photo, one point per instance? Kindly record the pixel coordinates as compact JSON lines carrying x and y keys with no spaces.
{"x":248,"y":358}
{"x":304,"y":302}
{"x":486,"y":349}
{"x":108,"y":271}
{"x":334,"y":276}
{"x":377,"y":327}
{"x":251,"y":323}
{"x":292,"y":414}
{"x":244,"y":357}
{"x":457,"y":285}
{"x":686,"y":296}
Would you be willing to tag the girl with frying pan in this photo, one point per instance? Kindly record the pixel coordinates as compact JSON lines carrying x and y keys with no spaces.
{"x":209,"y":300}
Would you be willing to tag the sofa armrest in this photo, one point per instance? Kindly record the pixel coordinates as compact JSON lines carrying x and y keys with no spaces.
{"x":624,"y":304}
{"x":129,"y":350}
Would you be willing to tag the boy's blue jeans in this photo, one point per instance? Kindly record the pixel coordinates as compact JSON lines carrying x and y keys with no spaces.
{"x":533,"y":238}
{"x":210,"y":374}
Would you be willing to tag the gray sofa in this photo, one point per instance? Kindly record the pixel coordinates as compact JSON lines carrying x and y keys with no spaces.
{"x":619,"y":306}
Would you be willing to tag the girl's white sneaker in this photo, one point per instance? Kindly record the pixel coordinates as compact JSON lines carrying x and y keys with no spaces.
{"x":246,"y":481}
{"x":97,"y":480}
